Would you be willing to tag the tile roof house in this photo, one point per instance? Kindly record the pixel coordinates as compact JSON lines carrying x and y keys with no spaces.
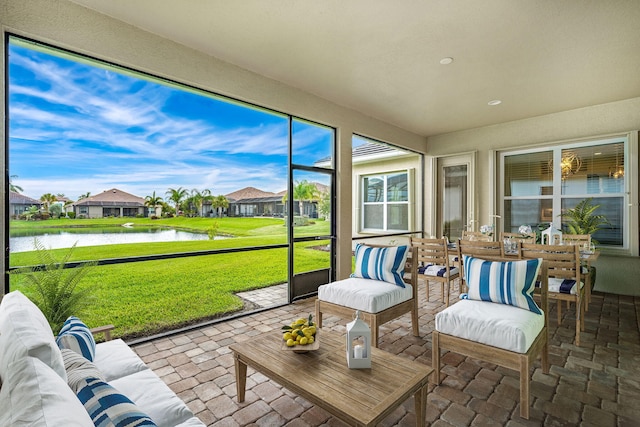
{"x":251,"y":201}
{"x":114,"y":202}
{"x":19,"y":203}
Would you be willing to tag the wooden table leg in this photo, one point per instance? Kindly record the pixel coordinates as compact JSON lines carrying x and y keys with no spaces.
{"x":420,"y":398}
{"x":241,"y":377}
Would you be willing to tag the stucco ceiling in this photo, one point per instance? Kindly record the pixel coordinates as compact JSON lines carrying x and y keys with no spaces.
{"x":382,"y":57}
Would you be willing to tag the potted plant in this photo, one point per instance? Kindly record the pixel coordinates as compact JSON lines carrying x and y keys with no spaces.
{"x":582,"y":219}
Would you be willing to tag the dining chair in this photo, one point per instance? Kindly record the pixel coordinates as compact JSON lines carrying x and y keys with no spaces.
{"x":564,"y":271}
{"x":584,"y":243}
{"x":434,"y":264}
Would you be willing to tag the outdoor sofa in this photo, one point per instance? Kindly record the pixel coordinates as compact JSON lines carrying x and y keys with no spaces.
{"x":37,"y":377}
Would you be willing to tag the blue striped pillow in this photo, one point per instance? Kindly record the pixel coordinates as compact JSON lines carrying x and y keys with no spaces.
{"x":386,"y":264}
{"x":76,"y":336}
{"x":509,"y":282}
{"x":108,"y":408}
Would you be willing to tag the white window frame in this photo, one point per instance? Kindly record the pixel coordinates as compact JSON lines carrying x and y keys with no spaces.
{"x":410,"y":202}
{"x":630,"y":196}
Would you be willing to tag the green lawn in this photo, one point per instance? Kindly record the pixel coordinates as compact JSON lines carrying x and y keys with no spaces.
{"x":143,"y":298}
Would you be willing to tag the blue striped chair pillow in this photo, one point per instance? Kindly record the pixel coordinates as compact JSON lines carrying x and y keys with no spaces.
{"x":76,"y":336}
{"x":109,"y":408}
{"x":509,"y":282}
{"x":385,"y":264}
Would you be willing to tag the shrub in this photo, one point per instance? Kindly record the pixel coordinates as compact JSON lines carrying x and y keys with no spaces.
{"x":54,"y":288}
{"x":71,"y":215}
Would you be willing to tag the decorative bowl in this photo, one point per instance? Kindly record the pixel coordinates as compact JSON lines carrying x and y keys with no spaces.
{"x":304,"y":348}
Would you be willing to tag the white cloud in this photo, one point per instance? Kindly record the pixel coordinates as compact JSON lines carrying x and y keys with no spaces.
{"x":67,"y":121}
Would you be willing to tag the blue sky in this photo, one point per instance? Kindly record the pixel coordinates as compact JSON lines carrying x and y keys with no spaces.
{"x":76,"y":128}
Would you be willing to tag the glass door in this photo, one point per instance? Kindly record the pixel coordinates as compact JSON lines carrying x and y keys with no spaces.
{"x":455,"y":196}
{"x":310,"y":212}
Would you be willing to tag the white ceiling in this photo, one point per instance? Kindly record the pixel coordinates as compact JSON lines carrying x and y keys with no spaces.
{"x":382,"y":57}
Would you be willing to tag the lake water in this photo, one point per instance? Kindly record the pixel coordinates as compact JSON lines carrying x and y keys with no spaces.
{"x":84,"y":237}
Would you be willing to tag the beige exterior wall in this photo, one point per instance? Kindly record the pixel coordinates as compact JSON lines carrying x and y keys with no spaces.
{"x":70,"y":26}
{"x":595,"y":122}
{"x":411,"y":163}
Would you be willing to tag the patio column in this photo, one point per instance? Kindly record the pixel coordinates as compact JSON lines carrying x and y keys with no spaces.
{"x":344,"y":208}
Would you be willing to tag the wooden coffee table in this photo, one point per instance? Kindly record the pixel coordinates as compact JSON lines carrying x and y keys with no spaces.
{"x":362,"y":397}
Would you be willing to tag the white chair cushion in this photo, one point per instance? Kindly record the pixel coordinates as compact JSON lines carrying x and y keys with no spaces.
{"x":498,"y":325}
{"x":437,"y":270}
{"x":372,"y":296}
{"x":563,"y":286}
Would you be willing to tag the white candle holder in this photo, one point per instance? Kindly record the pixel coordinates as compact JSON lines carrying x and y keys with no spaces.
{"x":358,"y":344}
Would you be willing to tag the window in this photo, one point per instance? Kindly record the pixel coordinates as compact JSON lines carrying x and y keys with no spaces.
{"x":78,"y":125}
{"x":538,"y":185}
{"x":386,"y":201}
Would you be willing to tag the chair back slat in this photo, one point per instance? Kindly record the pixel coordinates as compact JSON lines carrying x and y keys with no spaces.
{"x":480,"y":249}
{"x":431,"y":251}
{"x":581,"y":240}
{"x":563,"y":261}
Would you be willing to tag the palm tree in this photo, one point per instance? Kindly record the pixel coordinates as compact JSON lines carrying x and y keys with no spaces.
{"x":199,"y":197}
{"x":47,"y":199}
{"x":85,"y":195}
{"x":219,"y":202}
{"x":303,"y":190}
{"x":12,"y":186}
{"x":177,"y":196}
{"x":153,"y":201}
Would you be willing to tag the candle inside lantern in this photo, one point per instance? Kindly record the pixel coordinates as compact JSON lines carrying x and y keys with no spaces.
{"x":358,"y":352}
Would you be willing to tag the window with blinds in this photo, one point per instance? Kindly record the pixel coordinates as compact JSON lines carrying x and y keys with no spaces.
{"x":537,"y":186}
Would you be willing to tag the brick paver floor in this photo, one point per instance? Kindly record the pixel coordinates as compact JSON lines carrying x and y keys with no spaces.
{"x":596,"y":384}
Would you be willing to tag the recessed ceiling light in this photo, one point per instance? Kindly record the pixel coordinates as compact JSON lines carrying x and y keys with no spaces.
{"x":495,"y":102}
{"x":446,"y":61}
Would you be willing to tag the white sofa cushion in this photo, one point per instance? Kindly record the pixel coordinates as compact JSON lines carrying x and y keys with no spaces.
{"x":154,"y":397}
{"x":34,"y":395}
{"x":499,"y":325}
{"x":24,"y":331}
{"x":116,"y":359}
{"x":372,"y":296}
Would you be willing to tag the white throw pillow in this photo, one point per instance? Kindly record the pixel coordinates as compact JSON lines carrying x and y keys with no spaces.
{"x":34,"y":395}
{"x":26,"y":332}
{"x":78,"y":369}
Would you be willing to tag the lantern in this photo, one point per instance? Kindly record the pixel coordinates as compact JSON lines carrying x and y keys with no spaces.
{"x":358,"y":344}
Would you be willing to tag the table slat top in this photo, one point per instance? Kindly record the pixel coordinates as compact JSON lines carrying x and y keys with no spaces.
{"x":359,"y":395}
